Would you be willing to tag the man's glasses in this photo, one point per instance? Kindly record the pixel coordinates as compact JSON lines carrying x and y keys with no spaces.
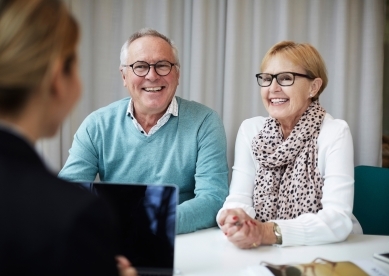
{"x":283,"y":78}
{"x":142,"y":68}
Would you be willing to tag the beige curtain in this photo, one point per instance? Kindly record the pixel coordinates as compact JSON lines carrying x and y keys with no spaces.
{"x":221,"y":44}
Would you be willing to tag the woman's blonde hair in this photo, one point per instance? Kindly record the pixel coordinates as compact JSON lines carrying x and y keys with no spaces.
{"x":34,"y":35}
{"x":304,"y":55}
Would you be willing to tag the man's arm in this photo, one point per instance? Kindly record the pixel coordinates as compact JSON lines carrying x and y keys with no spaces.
{"x":211,"y":178}
{"x":82,"y":163}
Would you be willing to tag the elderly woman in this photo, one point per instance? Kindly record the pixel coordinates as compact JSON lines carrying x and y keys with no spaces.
{"x":293,"y":175}
{"x":49,"y":227}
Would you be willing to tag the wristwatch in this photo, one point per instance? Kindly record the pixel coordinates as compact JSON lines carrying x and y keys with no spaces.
{"x":277,"y":233}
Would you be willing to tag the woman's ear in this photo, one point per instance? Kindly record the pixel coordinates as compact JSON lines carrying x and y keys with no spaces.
{"x":315,"y":87}
{"x":57,"y":80}
{"x":65,"y":87}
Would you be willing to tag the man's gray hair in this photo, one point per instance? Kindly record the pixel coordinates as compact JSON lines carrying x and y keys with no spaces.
{"x":146,"y":32}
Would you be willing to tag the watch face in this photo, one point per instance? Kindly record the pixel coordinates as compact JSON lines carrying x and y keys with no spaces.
{"x":277,"y":233}
{"x":277,"y":230}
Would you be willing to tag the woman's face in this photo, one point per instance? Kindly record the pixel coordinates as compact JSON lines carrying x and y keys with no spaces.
{"x":68,"y":91}
{"x":75,"y":87}
{"x":286,"y":103}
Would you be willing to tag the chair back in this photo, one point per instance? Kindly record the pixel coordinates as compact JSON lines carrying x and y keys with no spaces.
{"x":371,"y":199}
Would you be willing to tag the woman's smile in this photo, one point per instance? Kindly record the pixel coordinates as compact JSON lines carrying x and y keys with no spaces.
{"x":278,"y":101}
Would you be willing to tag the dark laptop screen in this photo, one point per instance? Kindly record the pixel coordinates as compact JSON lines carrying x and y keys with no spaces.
{"x":147,"y":217}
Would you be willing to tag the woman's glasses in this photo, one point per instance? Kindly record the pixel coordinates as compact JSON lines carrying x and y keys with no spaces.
{"x":283,"y":78}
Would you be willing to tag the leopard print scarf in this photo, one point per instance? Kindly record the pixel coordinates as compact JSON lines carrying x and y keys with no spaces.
{"x":288,"y":182}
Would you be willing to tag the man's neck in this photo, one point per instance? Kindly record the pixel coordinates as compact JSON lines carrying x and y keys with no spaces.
{"x":147,"y":121}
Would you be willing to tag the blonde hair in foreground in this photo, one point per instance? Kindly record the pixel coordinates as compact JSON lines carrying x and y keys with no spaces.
{"x":303,"y":55}
{"x":34,"y":35}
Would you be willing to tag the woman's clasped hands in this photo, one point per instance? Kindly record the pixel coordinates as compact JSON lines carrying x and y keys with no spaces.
{"x":244,"y":231}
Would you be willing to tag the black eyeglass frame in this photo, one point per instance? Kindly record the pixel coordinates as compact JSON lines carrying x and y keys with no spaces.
{"x":276,"y":75}
{"x":153,"y":64}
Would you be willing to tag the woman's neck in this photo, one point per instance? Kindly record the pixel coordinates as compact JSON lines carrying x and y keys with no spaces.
{"x":288,"y":126}
{"x":25,"y":124}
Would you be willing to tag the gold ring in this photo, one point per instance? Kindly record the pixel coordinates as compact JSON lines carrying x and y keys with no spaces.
{"x":254,"y":244}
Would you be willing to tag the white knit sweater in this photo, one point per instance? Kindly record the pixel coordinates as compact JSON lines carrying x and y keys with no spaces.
{"x":331,"y":224}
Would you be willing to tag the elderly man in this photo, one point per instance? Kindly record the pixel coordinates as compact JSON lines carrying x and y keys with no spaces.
{"x":154,"y":136}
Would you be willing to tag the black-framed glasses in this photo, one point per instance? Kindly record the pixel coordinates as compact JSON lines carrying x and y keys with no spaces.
{"x":283,"y":78}
{"x":142,"y":68}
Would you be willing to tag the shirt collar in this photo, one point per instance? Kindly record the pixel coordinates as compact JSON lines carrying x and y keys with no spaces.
{"x":172,"y":108}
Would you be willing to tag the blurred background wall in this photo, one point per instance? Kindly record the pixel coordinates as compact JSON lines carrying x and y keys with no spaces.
{"x":221,"y":44}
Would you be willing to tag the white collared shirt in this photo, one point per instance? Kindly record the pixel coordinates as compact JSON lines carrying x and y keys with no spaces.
{"x":171,"y":110}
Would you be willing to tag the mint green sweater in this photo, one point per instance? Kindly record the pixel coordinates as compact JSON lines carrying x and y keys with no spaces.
{"x":188,"y":151}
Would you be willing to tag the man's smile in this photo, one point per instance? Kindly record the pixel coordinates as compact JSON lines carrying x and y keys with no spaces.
{"x":153,"y":89}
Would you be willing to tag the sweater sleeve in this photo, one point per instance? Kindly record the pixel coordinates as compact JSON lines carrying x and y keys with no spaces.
{"x":243,"y":173}
{"x":211,"y":177}
{"x":82,"y":163}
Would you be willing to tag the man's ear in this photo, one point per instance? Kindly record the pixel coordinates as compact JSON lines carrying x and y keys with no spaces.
{"x":123,"y":75}
{"x":315,"y":86}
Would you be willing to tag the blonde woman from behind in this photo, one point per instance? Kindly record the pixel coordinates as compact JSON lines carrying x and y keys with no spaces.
{"x":49,"y":227}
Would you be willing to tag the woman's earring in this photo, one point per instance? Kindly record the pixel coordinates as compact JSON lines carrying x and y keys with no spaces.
{"x":310,"y":95}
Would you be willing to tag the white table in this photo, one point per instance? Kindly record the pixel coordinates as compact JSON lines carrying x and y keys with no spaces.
{"x":208,"y":252}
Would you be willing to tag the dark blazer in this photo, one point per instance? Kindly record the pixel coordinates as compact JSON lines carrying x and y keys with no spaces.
{"x":49,"y":226}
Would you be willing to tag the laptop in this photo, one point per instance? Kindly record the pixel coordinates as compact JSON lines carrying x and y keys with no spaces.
{"x":147,"y":220}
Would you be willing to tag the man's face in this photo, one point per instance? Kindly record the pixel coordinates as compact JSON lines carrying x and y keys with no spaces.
{"x":152,"y":93}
